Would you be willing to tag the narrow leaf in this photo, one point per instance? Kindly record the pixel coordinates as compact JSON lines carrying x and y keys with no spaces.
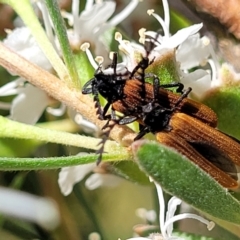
{"x":60,"y":30}
{"x":181,"y":178}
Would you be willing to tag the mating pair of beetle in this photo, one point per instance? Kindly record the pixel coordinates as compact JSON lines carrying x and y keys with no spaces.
{"x":176,"y":121}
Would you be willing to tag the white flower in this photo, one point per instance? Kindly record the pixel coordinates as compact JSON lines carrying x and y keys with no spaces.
{"x":29,"y":111}
{"x":166,"y":225}
{"x":30,"y":102}
{"x":28,"y":207}
{"x":199,"y":81}
{"x":197,"y":50}
{"x":191,"y":51}
{"x":69,"y":176}
{"x":92,"y":22}
{"x":21,"y":41}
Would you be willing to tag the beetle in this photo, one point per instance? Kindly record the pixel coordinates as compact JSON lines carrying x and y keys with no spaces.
{"x":184,"y":124}
{"x":177,"y":121}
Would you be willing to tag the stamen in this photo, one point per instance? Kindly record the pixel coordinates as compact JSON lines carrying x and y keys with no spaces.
{"x":85,"y":47}
{"x":118,"y":36}
{"x":86,"y":125}
{"x":58,"y":112}
{"x":215,"y":62}
{"x":67,"y":16}
{"x":172,"y":207}
{"x":99,"y":60}
{"x":162,"y":23}
{"x":162,"y":208}
{"x":111,"y":54}
{"x":11,"y":88}
{"x":214,"y":72}
{"x":124,"y":13}
{"x":210,"y":225}
{"x":75,"y":13}
{"x":166,"y":13}
{"x":125,"y":45}
{"x":89,"y":4}
{"x":141,"y":33}
{"x":150,"y":11}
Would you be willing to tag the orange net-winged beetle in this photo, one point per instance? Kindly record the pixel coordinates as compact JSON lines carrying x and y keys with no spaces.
{"x":177,"y":121}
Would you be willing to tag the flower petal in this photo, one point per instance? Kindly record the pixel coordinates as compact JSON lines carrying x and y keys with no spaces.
{"x":96,"y":180}
{"x":179,"y":37}
{"x":21,"y":41}
{"x":92,"y":19}
{"x":28,"y":207}
{"x":29,"y":105}
{"x":68,"y":176}
{"x":192,"y":52}
{"x":199,"y":81}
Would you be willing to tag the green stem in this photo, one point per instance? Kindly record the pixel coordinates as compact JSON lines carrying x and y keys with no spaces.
{"x":60,"y":30}
{"x":12,"y":129}
{"x":20,"y":164}
{"x":26,"y":12}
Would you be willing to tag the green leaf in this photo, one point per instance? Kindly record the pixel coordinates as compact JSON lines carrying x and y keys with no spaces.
{"x":60,"y":30}
{"x":130,"y":171}
{"x":226,"y":103}
{"x":84,"y":68}
{"x":181,"y":178}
